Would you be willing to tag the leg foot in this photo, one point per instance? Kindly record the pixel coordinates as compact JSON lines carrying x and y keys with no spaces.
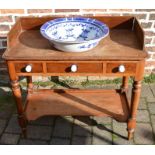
{"x":24,"y":132}
{"x":130,"y":135}
{"x":23,"y":124}
{"x":131,"y":127}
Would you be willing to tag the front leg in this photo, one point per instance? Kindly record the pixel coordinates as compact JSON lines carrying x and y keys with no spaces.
{"x":18,"y":97}
{"x":136,"y":90}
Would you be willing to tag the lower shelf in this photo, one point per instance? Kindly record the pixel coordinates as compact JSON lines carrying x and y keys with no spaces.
{"x":110,"y":103}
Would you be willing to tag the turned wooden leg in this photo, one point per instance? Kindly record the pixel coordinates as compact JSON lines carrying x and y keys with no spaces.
{"x":18,"y":97}
{"x":136,"y":90}
{"x":124,"y":86}
{"x":29,"y":84}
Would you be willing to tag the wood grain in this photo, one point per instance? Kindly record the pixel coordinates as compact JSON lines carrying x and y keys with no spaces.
{"x":77,"y":102}
{"x":123,"y":46}
{"x":122,"y":39}
{"x":130,"y":68}
{"x":65,"y":67}
{"x":36,"y":67}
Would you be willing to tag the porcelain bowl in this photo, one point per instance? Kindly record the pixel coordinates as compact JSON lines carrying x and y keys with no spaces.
{"x":74,"y":34}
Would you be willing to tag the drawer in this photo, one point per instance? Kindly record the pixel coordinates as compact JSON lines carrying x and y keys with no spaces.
{"x":31,"y":67}
{"x":121,"y":68}
{"x":75,"y":67}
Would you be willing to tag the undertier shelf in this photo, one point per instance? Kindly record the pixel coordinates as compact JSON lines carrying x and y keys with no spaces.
{"x":76,"y":102}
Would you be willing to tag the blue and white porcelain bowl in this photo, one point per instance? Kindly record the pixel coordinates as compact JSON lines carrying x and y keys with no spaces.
{"x":74,"y":34}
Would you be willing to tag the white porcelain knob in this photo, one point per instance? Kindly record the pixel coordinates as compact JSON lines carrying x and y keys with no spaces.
{"x":121,"y":68}
{"x":74,"y":68}
{"x":28,"y":68}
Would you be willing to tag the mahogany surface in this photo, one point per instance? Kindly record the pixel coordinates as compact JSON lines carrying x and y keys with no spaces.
{"x":83,"y":67}
{"x":36,"y":67}
{"x":130,"y":68}
{"x":122,"y":39}
{"x":105,"y":50}
{"x":123,"y":46}
{"x":78,"y":102}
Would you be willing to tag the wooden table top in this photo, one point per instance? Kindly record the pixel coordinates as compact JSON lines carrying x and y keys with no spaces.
{"x":121,"y":44}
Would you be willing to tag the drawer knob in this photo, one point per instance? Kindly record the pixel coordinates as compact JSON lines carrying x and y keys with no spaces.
{"x":121,"y":68}
{"x":28,"y":68}
{"x":73,"y":68}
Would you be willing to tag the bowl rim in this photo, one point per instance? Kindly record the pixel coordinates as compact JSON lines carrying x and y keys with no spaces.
{"x":93,"y":21}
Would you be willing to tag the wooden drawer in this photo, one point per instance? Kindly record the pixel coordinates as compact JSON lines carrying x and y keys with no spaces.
{"x":82,"y":67}
{"x":129,"y":68}
{"x":36,"y":67}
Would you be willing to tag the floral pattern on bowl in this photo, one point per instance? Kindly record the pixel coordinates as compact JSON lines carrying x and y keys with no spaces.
{"x":74,"y":34}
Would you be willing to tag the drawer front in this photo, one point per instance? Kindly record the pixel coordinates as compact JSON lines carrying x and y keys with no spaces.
{"x":66,"y":67}
{"x":35,"y":67}
{"x":121,"y":68}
